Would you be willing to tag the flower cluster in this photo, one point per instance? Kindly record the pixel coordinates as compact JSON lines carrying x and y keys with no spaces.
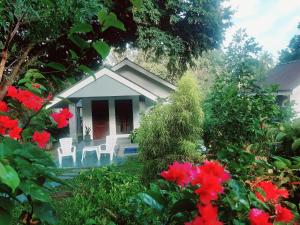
{"x":33,"y":102}
{"x":62,"y":117}
{"x":270,"y":193}
{"x":26,"y":98}
{"x":10,"y":127}
{"x":209,"y":179}
{"x":41,"y":138}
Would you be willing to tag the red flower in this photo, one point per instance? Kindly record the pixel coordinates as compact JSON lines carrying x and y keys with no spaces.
{"x":210,"y":187}
{"x":283,"y":214}
{"x":3,"y":106}
{"x":272,"y":192}
{"x":181,"y":173}
{"x":15,"y":133}
{"x":12,"y":92}
{"x":27,"y":98}
{"x":259,"y":217}
{"x":208,"y":216}
{"x":62,"y":118}
{"x":216,"y":169}
{"x":41,"y":138}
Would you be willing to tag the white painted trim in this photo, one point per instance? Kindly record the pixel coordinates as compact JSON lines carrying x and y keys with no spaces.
{"x":127,"y":62}
{"x":90,"y":79}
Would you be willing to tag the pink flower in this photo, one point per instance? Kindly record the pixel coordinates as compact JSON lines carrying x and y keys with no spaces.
{"x":62,"y":117}
{"x":259,"y":217}
{"x":41,"y":138}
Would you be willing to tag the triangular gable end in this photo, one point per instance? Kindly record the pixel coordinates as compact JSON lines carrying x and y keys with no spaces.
{"x":74,"y":90}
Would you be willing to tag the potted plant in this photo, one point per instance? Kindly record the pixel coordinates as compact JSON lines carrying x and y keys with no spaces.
{"x":87,"y":136}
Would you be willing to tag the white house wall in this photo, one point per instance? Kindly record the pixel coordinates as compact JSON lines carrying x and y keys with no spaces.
{"x":295,"y":98}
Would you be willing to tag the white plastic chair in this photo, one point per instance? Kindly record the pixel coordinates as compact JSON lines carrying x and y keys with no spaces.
{"x":66,"y":149}
{"x":109,"y":147}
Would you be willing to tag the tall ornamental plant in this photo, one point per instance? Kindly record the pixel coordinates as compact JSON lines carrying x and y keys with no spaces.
{"x":172,"y":130}
{"x":25,"y":169}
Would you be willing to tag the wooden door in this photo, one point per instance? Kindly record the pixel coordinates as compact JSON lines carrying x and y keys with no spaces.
{"x":100,"y":116}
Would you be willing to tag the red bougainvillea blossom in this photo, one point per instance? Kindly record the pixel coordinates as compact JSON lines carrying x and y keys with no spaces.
{"x":208,"y":216}
{"x":181,"y":173}
{"x":41,"y":138}
{"x":10,"y":127}
{"x":3,"y":106}
{"x":271,"y":192}
{"x":27,"y":98}
{"x":283,"y":214}
{"x":62,"y":117}
{"x":259,"y":217}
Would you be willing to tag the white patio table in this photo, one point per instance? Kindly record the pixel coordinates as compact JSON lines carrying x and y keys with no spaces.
{"x":92,"y":146}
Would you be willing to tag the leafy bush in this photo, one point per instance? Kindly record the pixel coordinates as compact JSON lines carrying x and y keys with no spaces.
{"x":206,"y":194}
{"x":172,"y":130}
{"x":100,"y":196}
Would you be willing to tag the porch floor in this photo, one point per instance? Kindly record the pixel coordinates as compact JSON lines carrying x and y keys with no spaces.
{"x":90,"y":160}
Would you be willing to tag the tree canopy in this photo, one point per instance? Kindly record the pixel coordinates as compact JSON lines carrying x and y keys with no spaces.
{"x":292,"y":52}
{"x":65,"y":37}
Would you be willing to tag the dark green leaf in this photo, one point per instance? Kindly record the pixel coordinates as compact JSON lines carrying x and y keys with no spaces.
{"x":74,"y":55}
{"x":183,"y":205}
{"x":79,"y":41}
{"x":102,"y":48}
{"x":108,"y":20}
{"x":44,"y":212}
{"x":35,"y":191}
{"x":81,"y":28}
{"x":9,"y":176}
{"x":152,"y":202}
{"x":87,"y":70}
{"x":5,"y":217}
{"x":56,"y":66}
{"x":137,"y":3}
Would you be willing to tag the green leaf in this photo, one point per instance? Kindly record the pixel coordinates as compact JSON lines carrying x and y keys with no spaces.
{"x":183,"y":205}
{"x":56,"y":66}
{"x":81,"y":28}
{"x":35,"y":191}
{"x":87,"y":70}
{"x":9,"y":176}
{"x":296,"y":144}
{"x":74,"y":55}
{"x":137,"y":3}
{"x":79,"y":41}
{"x":44,"y":212}
{"x":5,"y":217}
{"x":108,"y":20}
{"x":281,"y":163}
{"x":102,"y":48}
{"x":152,"y":202}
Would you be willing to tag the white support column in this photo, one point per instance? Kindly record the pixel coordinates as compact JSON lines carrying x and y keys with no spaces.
{"x":112,"y":117}
{"x":87,"y":120}
{"x":73,"y":122}
{"x":136,"y":111}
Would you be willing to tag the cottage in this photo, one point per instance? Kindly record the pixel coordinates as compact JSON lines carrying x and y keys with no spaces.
{"x":287,"y":77}
{"x":111,"y":102}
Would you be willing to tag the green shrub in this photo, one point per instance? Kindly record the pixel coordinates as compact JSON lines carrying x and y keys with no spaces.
{"x":172,"y":130}
{"x":100,"y":196}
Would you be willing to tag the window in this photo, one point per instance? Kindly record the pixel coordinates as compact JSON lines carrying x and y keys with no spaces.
{"x":124,"y":116}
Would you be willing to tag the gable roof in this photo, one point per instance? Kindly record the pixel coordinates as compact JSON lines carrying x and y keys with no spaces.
{"x":71,"y":92}
{"x":287,"y":76}
{"x":127,"y":62}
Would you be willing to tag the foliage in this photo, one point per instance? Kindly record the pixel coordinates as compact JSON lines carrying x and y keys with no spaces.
{"x":238,"y":111}
{"x":287,"y":137}
{"x":25,"y":170}
{"x":172,"y":130}
{"x":99,"y":196}
{"x":65,"y":39}
{"x":292,"y":52}
{"x":235,"y":205}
